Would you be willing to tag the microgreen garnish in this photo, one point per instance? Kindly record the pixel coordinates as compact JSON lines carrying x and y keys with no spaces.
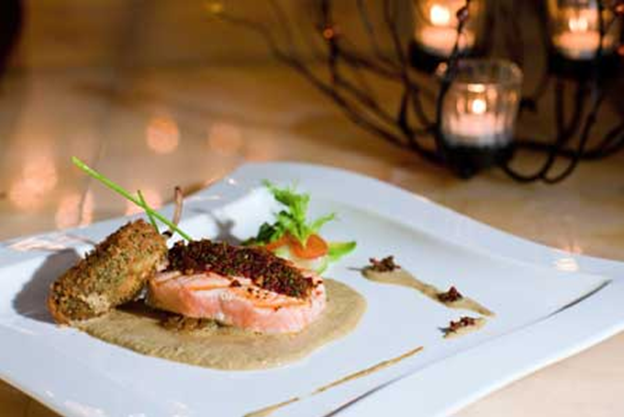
{"x":292,"y":221}
{"x":125,"y":193}
{"x":339,"y":249}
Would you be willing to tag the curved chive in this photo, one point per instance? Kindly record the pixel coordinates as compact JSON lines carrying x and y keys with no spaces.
{"x":120,"y":190}
{"x":149,"y":215}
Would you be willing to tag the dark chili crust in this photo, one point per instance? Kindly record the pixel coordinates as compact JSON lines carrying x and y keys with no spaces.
{"x":450,"y":296}
{"x":110,"y":275}
{"x":258,"y":264}
{"x":465,"y":321}
{"x":386,"y":264}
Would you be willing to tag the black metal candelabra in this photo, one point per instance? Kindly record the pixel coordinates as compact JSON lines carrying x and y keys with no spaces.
{"x":406,"y":123}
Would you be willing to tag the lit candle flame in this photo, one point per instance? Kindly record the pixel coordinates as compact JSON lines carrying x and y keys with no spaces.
{"x":578,"y":24}
{"x":478,"y":106}
{"x":440,"y":15}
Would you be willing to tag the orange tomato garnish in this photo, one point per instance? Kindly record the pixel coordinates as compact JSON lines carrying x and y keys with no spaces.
{"x":284,"y":240}
{"x":315,"y":247}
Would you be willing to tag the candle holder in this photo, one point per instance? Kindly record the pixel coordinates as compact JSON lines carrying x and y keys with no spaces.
{"x":478,"y":115}
{"x":581,"y":33}
{"x":441,"y":136}
{"x":436,"y":31}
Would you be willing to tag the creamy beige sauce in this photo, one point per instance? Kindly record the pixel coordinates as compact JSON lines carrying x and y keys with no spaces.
{"x":369,"y":370}
{"x":405,"y":279}
{"x":229,"y":348}
{"x":359,"y":374}
{"x":267,"y":411}
{"x":478,"y":323}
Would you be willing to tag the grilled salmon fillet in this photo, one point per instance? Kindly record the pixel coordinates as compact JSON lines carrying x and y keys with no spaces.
{"x":236,"y":301}
{"x":244,"y":287}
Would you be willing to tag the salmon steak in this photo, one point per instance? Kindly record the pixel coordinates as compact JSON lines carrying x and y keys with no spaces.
{"x":250,"y":288}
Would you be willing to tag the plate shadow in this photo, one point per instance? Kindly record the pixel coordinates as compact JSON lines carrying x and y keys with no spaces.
{"x":224,"y":228}
{"x":30,"y":302}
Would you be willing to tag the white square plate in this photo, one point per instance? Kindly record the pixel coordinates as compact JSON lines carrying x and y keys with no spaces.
{"x":549,"y":305}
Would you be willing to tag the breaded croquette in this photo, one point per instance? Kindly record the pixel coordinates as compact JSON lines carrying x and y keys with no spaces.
{"x":110,"y":275}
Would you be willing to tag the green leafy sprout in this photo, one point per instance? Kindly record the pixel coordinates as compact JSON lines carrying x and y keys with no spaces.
{"x":152,"y":214}
{"x":293,"y":220}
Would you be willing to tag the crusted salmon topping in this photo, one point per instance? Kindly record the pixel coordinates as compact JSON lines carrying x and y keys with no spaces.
{"x":259,"y":265}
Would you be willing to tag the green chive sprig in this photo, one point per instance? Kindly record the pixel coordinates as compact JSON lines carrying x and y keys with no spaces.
{"x":149,"y":215}
{"x":139,"y":201}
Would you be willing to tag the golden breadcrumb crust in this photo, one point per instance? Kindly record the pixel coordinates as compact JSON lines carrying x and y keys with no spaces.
{"x":110,"y":275}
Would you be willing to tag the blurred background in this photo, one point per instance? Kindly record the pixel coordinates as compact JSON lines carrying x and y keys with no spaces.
{"x":162,"y":93}
{"x":152,"y":93}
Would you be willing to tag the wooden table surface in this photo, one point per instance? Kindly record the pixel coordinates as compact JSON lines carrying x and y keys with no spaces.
{"x":152,"y":120}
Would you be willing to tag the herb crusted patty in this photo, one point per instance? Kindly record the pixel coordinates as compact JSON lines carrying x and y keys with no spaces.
{"x":112,"y":274}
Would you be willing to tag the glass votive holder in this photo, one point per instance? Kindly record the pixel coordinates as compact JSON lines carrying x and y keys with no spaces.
{"x":575,"y":29}
{"x":479,"y":113}
{"x":436,"y":24}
